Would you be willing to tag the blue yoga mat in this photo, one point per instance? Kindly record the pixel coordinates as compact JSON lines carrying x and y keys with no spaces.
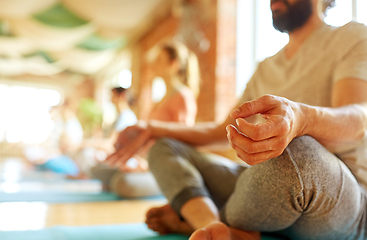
{"x":108,"y":232}
{"x":57,"y":197}
{"x":63,"y":197}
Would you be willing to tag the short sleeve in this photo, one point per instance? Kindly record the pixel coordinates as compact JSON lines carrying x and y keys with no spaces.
{"x":126,"y":119}
{"x":353,"y":64}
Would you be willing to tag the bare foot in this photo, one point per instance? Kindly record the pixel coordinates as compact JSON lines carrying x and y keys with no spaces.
{"x":220,"y":231}
{"x":165,"y":220}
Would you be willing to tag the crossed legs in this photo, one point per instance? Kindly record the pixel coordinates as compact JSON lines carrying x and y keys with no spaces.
{"x":306,"y":193}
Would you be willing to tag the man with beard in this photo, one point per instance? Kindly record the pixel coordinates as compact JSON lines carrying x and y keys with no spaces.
{"x":297,"y":186}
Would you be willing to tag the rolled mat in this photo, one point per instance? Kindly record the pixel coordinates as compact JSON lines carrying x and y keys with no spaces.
{"x":137,"y":231}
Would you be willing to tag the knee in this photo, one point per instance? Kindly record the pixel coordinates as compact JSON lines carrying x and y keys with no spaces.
{"x":307,"y":153}
{"x":161,"y":148}
{"x":95,"y":172}
{"x":304,"y":141}
{"x":118,"y":186}
{"x":134,"y":185}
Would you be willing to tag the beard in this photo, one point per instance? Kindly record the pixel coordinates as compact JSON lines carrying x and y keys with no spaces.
{"x":295,"y":16}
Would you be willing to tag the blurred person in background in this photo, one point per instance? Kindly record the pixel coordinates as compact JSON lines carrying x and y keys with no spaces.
{"x":121,"y":98}
{"x":96,"y":149}
{"x":58,"y":152}
{"x":179,"y":69}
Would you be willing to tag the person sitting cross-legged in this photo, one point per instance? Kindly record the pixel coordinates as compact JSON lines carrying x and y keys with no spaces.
{"x":308,"y":154}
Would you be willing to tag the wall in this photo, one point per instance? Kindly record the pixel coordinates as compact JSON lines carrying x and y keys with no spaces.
{"x":217,"y":64}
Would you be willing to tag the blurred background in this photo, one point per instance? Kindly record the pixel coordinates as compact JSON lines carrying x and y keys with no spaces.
{"x":57,"y":54}
{"x":56,"y":49}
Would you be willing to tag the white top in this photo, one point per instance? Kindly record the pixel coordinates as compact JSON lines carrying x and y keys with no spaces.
{"x":330,"y":54}
{"x":126,"y":118}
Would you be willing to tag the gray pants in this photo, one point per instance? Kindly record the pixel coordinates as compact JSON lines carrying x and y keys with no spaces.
{"x":126,"y":185}
{"x":306,"y":193}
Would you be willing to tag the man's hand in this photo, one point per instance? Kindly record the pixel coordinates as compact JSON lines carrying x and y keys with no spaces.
{"x":254,"y":144}
{"x":128,"y":143}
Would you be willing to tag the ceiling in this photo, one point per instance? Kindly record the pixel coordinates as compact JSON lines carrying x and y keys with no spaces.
{"x":48,"y":37}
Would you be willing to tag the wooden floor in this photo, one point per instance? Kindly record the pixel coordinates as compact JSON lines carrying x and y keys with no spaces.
{"x":19,"y":216}
{"x":131,"y":211}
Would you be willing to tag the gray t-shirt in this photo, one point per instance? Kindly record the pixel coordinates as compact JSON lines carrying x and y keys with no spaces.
{"x":330,"y":54}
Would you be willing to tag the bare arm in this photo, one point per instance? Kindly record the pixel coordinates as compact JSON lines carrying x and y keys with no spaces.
{"x":133,"y":138}
{"x":198,"y":135}
{"x":345,"y":122}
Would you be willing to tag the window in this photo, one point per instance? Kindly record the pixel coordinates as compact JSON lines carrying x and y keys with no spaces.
{"x":257,"y":39}
{"x":268,"y":40}
{"x":361,"y":11}
{"x":341,"y":14}
{"x":25,"y":113}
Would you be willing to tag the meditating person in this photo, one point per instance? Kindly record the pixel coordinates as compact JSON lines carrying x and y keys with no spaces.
{"x":96,"y":149}
{"x":308,"y":153}
{"x":179,"y":69}
{"x":122,"y":99}
{"x":57,"y":154}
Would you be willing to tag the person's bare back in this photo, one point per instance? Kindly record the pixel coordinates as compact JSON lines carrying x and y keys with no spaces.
{"x":179,"y":106}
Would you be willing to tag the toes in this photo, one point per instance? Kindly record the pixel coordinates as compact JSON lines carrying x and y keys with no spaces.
{"x":219,"y":229}
{"x":165,"y":220}
{"x":201,"y":234}
{"x":158,"y":228}
{"x":214,"y":231}
{"x":154,"y":221}
{"x":157,"y":211}
{"x":153,"y":212}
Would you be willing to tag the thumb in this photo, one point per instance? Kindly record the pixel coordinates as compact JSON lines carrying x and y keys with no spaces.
{"x":247,"y":109}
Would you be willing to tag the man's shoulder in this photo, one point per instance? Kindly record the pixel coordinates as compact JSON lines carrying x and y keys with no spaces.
{"x":277,"y":58}
{"x":352,"y":30}
{"x":339,"y":41}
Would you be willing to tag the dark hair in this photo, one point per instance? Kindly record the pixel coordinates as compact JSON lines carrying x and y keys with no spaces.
{"x":119,"y":89}
{"x":129,"y":97}
{"x":327,"y":4}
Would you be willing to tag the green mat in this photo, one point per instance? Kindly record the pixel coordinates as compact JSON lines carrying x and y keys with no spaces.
{"x":63,"y":197}
{"x":57,"y":197}
{"x":108,"y":232}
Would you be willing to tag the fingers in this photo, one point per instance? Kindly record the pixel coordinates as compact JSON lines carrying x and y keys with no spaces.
{"x":274,"y":126}
{"x":131,"y":141}
{"x":259,"y":105}
{"x":119,"y":158}
{"x":254,"y":152}
{"x":114,"y":158}
{"x":260,"y":142}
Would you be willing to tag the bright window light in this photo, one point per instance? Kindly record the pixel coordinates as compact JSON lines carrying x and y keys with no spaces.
{"x":268,"y":40}
{"x":362,"y":11}
{"x":245,"y":65}
{"x":25,"y":113}
{"x":341,"y":14}
{"x":158,"y":89}
{"x":256,"y":38}
{"x":22,"y":216}
{"x":125,"y":78}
